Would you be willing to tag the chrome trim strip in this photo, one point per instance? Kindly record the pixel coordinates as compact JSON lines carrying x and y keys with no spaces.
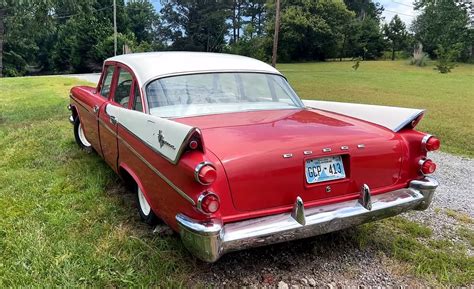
{"x":157,"y":172}
{"x":307,"y":153}
{"x":326,"y":150}
{"x":361,"y":146}
{"x":287,"y":156}
{"x":210,"y":239}
{"x":344,"y":148}
{"x":198,"y":168}
{"x":104,"y":124}
{"x":83,"y":104}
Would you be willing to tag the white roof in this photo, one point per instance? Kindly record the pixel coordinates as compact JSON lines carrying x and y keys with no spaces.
{"x":151,"y":65}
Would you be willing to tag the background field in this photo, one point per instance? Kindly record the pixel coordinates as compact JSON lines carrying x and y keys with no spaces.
{"x":65,"y":219}
{"x":448,"y":98}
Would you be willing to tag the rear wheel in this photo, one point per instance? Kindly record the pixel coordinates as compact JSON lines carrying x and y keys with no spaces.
{"x":80,"y":137}
{"x":144,"y":209}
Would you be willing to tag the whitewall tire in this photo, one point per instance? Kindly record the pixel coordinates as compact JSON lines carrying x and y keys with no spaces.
{"x":80,"y":137}
{"x":144,"y":209}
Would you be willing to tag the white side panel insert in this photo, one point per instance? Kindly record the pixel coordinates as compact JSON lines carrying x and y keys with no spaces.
{"x":164,"y":136}
{"x":393,"y":118}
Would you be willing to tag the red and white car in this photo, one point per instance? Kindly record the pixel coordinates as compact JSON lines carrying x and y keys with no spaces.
{"x":222,"y":150}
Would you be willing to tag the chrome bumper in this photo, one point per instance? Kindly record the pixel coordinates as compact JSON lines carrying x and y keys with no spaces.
{"x":211,"y":239}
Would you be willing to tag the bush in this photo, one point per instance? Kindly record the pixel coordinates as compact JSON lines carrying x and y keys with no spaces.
{"x":419,"y":58}
{"x":447,"y":57}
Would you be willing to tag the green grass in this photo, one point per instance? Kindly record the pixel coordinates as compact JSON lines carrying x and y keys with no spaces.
{"x":448,"y":98}
{"x":438,"y":261}
{"x":461,"y":217}
{"x":66,"y":220}
{"x":63,"y":218}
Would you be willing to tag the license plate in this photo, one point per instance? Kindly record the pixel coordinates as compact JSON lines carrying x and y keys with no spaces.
{"x":324,"y":169}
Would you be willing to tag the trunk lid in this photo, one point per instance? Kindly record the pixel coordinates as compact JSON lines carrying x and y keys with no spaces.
{"x":251,"y":146}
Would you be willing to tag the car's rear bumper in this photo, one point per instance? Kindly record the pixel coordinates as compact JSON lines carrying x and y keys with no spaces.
{"x":210,"y":240}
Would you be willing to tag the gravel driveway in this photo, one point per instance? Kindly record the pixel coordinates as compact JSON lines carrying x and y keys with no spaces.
{"x":334,"y":259}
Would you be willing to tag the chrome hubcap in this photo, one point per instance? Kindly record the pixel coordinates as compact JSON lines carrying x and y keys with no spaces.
{"x":144,"y":206}
{"x":82,"y":137}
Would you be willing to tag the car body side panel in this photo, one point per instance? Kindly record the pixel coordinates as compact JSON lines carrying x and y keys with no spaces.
{"x":85,"y":99}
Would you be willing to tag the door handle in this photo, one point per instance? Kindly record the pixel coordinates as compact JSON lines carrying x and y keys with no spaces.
{"x":95,"y":109}
{"x":113,"y":120}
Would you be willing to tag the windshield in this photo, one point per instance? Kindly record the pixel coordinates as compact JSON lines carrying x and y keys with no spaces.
{"x":210,"y":93}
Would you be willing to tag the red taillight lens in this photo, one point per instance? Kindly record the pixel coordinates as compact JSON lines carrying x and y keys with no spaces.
{"x":205,"y":173}
{"x":193,"y":144}
{"x":208,"y":203}
{"x":428,"y":167}
{"x":432,"y":144}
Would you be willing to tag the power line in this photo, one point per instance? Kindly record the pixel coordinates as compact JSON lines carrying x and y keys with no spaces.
{"x":403,"y":4}
{"x":71,"y":15}
{"x":396,"y":12}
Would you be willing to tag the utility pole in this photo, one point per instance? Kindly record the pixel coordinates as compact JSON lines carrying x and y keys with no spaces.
{"x":275,"y":36}
{"x":115,"y":27}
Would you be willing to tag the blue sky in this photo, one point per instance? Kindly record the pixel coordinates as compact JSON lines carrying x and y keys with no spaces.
{"x":404,"y":9}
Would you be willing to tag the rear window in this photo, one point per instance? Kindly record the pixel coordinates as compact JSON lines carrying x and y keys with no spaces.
{"x":208,"y":93}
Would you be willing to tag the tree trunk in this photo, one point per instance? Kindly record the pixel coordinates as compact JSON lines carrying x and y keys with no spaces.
{"x":393,"y":53}
{"x":234,"y":21}
{"x":2,"y":32}
{"x":238,"y":19}
{"x":275,"y":36}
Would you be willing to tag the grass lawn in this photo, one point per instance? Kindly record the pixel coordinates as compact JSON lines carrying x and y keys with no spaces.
{"x":448,"y":98}
{"x":66,"y":220}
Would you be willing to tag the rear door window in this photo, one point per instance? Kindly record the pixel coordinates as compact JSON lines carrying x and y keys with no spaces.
{"x":107,"y":81}
{"x":123,"y":88}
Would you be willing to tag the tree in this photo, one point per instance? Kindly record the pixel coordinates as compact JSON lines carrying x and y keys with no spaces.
{"x":365,"y":9}
{"x":362,"y":35}
{"x":442,"y":23}
{"x":310,"y":30}
{"x":25,"y":24}
{"x":195,"y":25}
{"x":142,"y":20}
{"x":396,"y":34}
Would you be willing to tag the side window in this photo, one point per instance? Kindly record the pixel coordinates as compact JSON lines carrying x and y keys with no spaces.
{"x":107,"y":81}
{"x":122,"y":90}
{"x":137,"y":103}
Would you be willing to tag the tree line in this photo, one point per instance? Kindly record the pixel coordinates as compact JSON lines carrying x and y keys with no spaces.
{"x":63,"y":36}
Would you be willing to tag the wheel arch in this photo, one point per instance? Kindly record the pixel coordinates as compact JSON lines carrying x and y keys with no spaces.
{"x":74,"y":112}
{"x":131,"y":178}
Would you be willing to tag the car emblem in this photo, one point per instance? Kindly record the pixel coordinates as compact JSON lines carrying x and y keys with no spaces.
{"x":163,"y":142}
{"x":328,"y":189}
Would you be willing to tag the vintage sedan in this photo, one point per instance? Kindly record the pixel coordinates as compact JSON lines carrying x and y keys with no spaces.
{"x":221,"y":149}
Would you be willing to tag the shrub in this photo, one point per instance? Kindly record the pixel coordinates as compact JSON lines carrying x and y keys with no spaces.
{"x":447,"y":58}
{"x":419,"y":58}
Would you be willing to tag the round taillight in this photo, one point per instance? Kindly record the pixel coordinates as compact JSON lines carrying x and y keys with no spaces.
{"x":432,"y":144}
{"x":193,"y":144}
{"x":205,"y":173}
{"x":208,"y":203}
{"x":428,"y":167}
